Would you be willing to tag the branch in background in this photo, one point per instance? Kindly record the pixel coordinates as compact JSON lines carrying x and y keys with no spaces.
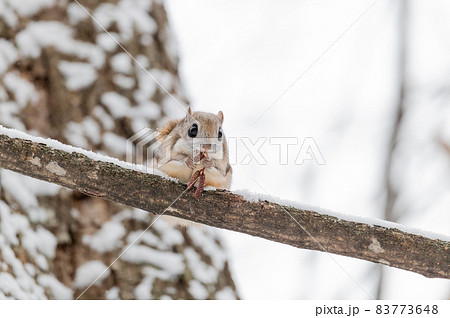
{"x":223,"y":209}
{"x":444,"y":145}
{"x":400,"y":104}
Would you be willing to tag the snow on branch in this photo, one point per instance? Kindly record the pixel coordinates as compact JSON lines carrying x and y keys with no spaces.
{"x":121,"y":182}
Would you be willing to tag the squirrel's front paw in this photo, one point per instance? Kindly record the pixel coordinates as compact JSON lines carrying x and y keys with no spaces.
{"x":207,"y":163}
{"x":190,"y":163}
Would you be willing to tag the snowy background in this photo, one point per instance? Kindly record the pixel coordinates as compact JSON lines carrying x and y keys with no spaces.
{"x":239,"y":57}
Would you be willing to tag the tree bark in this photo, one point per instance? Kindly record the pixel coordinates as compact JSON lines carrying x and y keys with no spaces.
{"x":223,"y":209}
{"x":73,"y":87}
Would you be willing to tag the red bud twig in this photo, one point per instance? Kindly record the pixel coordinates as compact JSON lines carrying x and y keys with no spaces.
{"x":193,"y":179}
{"x":198,"y":175}
{"x":201,"y":184}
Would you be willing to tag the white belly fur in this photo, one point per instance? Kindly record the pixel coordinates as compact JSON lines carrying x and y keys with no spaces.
{"x":177,"y":169}
{"x":216,"y":179}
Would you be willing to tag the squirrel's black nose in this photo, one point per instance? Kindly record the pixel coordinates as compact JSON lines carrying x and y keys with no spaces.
{"x":206,"y":146}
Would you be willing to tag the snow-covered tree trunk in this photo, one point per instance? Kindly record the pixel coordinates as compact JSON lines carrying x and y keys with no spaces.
{"x":63,"y":76}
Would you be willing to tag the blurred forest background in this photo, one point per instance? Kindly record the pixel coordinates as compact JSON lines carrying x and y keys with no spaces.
{"x":374,"y":98}
{"x":376,"y":103}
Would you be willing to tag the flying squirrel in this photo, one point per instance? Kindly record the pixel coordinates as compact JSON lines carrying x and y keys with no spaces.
{"x":193,"y":143}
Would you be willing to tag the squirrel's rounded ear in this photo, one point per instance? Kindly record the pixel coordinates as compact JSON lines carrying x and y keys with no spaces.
{"x":188,"y":114}
{"x":220,"y":115}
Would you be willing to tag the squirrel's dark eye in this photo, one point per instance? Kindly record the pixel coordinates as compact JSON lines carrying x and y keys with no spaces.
{"x":193,"y":131}
{"x":220,"y":133}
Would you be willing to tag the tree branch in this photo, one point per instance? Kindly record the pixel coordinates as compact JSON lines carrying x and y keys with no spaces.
{"x":226,"y":210}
